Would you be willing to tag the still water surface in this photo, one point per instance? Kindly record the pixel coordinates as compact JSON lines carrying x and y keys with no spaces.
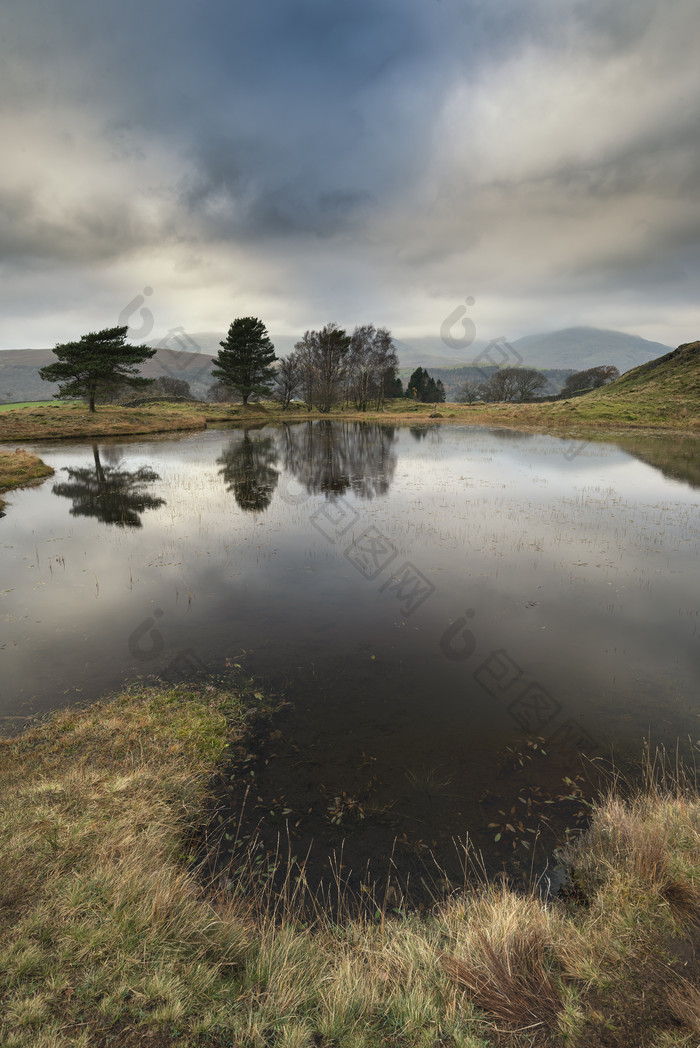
{"x":439,"y":606}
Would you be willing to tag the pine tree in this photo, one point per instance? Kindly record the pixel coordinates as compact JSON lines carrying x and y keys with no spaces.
{"x":418,"y":385}
{"x":96,"y":364}
{"x":393,"y":386}
{"x":421,"y":386}
{"x":246,"y":358}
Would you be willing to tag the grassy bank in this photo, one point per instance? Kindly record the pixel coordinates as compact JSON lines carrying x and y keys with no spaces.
{"x":18,"y":468}
{"x":108,"y":937}
{"x":661,"y":396}
{"x":570,"y":418}
{"x":73,"y":421}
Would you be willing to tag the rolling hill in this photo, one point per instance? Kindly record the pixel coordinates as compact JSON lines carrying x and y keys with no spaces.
{"x":665,"y":390}
{"x":19,"y":372}
{"x":675,"y":374}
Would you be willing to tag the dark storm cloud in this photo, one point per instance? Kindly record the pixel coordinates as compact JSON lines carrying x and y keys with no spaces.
{"x":288,"y":115}
{"x":407,"y":147}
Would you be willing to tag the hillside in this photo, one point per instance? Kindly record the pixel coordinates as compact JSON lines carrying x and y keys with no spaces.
{"x":19,"y":372}
{"x":661,"y":392}
{"x":676,"y":373}
{"x":670,"y":381}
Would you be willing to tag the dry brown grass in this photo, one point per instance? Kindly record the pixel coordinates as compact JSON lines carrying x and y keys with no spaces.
{"x":508,"y":970}
{"x":19,"y":468}
{"x":59,"y":421}
{"x":109,"y":936}
{"x":647,"y":844}
{"x":634,"y":411}
{"x":683,"y":898}
{"x":685,"y":1004}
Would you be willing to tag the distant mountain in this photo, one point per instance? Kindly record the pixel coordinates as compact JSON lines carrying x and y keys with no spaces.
{"x":412,"y":352}
{"x":573,"y":349}
{"x":432,"y":352}
{"x":586,"y":347}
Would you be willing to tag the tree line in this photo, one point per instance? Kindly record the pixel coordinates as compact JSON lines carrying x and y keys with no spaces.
{"x":326,"y":368}
{"x":518,"y":384}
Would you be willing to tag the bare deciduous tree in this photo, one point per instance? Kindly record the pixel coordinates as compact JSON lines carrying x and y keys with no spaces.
{"x":333,"y":365}
{"x":513,"y":384}
{"x":470,"y":391}
{"x":528,"y":381}
{"x":371,"y":356}
{"x":330,"y":355}
{"x":592,"y":378}
{"x":288,"y":379}
{"x":304,"y":351}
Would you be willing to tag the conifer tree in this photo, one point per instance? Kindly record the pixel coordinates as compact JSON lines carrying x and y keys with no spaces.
{"x":96,"y":364}
{"x":246,"y":358}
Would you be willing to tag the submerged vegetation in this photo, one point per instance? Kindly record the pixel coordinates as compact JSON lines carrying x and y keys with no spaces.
{"x":18,"y":468}
{"x":111,"y":936}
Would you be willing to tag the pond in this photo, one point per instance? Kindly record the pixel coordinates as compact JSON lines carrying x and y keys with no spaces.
{"x":465,"y":622}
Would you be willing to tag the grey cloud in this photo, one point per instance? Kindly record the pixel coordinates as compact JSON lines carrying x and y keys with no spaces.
{"x":307,"y":130}
{"x":97,"y":230}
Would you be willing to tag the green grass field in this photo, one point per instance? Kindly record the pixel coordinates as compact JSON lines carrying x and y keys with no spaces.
{"x":25,"y":404}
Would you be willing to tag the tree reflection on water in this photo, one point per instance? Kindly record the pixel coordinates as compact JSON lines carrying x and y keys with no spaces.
{"x":333,"y":457}
{"x":249,"y":471}
{"x":112,"y":495}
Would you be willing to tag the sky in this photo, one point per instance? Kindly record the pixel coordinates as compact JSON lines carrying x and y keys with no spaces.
{"x":526,"y":166}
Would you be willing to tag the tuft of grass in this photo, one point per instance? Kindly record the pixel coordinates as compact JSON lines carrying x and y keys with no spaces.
{"x":507,"y":969}
{"x":19,"y":468}
{"x":685,"y":1004}
{"x":111,"y":936}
